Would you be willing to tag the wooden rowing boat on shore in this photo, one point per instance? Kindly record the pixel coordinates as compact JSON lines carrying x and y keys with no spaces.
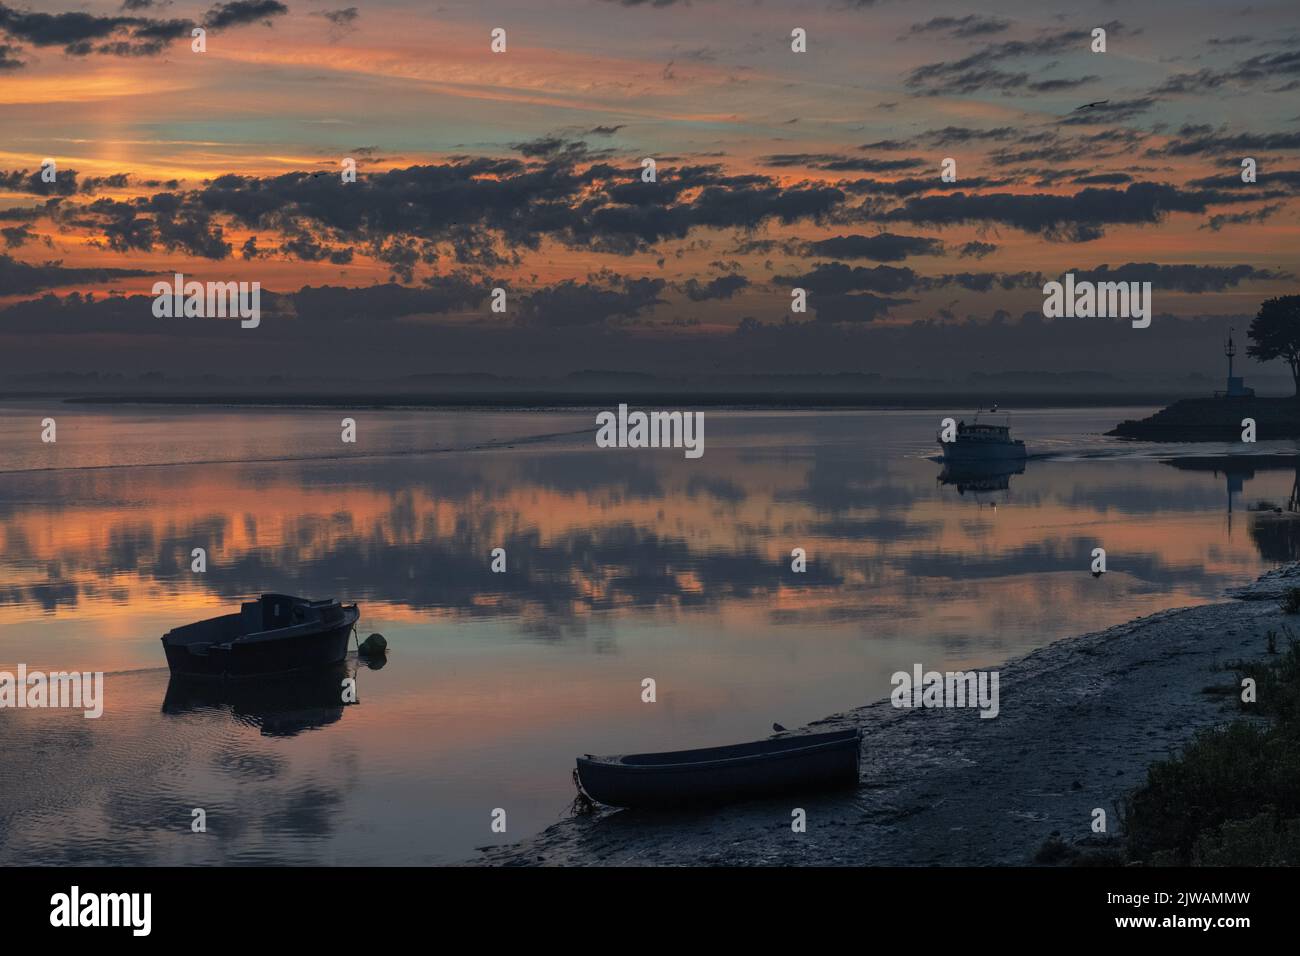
{"x":714,"y":775}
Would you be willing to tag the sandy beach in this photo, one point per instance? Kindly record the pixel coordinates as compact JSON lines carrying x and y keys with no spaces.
{"x":1080,"y":722}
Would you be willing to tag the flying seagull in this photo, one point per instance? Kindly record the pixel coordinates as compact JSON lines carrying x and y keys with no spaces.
{"x":1088,"y":106}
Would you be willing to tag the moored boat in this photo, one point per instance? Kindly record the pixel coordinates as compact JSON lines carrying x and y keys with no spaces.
{"x":272,"y":635}
{"x":714,"y":775}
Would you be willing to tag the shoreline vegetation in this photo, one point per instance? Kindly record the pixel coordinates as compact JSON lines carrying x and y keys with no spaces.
{"x":1143,"y":721}
{"x":1231,"y":797}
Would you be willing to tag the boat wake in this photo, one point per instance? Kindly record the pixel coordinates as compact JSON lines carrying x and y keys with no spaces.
{"x":1167,"y":452}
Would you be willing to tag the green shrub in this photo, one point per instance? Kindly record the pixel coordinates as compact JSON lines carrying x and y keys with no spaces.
{"x":1277,"y":686}
{"x":1054,"y":850}
{"x":1232,"y":796}
{"x":1262,"y":840}
{"x":1228,"y":773}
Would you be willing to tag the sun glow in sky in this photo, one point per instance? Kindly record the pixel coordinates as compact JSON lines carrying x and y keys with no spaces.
{"x":522,"y":169}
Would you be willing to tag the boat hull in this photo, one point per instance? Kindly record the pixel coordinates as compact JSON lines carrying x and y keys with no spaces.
{"x":799,"y":763}
{"x":972,"y":452}
{"x":298,"y":648}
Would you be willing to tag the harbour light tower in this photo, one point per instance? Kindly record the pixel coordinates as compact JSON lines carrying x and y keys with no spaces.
{"x":1236,"y":388}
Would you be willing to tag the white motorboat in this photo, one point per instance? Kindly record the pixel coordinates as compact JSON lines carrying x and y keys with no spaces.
{"x":978,"y":441}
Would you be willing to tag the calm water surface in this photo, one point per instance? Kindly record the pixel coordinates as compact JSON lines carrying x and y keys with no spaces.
{"x":622,"y":564}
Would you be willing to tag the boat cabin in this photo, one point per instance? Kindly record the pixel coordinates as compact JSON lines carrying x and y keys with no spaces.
{"x":270,"y":612}
{"x":982,"y":432}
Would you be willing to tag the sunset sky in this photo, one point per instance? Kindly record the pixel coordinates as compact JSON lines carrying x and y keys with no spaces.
{"x":522,"y":170}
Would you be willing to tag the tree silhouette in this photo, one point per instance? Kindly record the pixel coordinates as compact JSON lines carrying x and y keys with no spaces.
{"x":1275,"y":333}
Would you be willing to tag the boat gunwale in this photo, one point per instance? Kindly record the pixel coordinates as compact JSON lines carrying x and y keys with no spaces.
{"x":257,"y":637}
{"x":836,"y":739}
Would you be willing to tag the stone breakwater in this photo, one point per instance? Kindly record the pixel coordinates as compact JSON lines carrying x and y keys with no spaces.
{"x":1216,"y":419}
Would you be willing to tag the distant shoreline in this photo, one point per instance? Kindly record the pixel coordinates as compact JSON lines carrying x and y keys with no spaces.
{"x":610,"y":399}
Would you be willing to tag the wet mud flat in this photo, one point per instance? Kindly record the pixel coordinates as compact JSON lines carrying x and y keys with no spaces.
{"x":1080,"y":721}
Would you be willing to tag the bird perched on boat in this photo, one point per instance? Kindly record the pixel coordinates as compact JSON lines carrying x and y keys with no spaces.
{"x":1092,"y":105}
